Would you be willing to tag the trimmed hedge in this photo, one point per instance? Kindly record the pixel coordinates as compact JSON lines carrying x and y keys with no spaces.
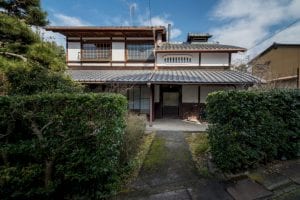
{"x":253,"y":127}
{"x":60,"y":146}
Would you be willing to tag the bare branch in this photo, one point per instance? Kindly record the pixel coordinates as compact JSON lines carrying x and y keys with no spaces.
{"x":14,"y":55}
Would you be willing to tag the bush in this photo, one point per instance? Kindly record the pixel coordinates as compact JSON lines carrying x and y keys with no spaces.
{"x":134,"y":132}
{"x":252,"y":127}
{"x":60,"y":146}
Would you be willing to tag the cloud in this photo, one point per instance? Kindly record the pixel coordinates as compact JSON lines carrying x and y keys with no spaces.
{"x":245,"y":23}
{"x":65,"y":20}
{"x":160,"y":21}
{"x":59,"y":19}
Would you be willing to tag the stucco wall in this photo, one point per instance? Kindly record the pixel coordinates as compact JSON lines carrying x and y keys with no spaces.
{"x":118,"y":51}
{"x":214,"y":59}
{"x":189,"y":94}
{"x":74,"y":51}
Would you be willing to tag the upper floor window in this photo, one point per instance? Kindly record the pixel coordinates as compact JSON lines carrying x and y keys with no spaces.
{"x":140,"y":51}
{"x":96,"y":51}
{"x":177,"y":59}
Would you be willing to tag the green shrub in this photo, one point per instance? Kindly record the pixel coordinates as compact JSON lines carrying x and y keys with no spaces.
{"x":252,"y":127}
{"x":63,"y":146}
{"x":134,"y":132}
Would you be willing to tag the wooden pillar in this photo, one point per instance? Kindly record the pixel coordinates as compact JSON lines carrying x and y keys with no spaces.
{"x":151,"y":105}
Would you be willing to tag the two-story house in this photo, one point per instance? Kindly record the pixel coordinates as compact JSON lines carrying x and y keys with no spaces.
{"x":279,"y":65}
{"x":162,"y":79}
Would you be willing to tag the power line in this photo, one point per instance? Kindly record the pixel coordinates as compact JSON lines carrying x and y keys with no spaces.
{"x":276,"y":33}
{"x":150,"y":16}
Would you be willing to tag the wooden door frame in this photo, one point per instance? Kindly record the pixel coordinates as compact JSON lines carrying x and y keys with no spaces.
{"x":171,"y":88}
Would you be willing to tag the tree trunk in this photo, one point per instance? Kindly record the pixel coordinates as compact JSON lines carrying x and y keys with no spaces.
{"x":48,"y":172}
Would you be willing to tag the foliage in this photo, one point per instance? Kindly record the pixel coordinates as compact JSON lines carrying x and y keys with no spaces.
{"x":29,"y":11}
{"x":134,"y":132}
{"x":15,"y":35}
{"x":29,"y":65}
{"x":26,"y":80}
{"x":60,"y":146}
{"x":48,"y":55}
{"x":252,"y":127}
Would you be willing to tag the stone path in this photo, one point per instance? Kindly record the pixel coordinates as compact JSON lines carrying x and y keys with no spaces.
{"x":169,"y":173}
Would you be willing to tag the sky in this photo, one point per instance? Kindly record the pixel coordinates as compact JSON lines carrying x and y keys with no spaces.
{"x":243,"y":23}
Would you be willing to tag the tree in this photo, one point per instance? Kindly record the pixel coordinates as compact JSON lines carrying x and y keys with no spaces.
{"x":29,"y":65}
{"x":29,"y":11}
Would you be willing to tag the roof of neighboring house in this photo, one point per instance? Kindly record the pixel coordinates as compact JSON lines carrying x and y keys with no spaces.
{"x":273,"y":46}
{"x":163,"y":76}
{"x":134,"y":31}
{"x":205,"y":47}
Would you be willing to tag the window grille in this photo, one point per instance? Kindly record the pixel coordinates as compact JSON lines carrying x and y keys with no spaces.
{"x":177,"y":59}
{"x":140,"y":51}
{"x":96,"y":51}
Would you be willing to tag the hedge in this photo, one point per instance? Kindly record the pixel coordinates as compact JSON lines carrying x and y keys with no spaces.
{"x":253,"y":127}
{"x":60,"y":146}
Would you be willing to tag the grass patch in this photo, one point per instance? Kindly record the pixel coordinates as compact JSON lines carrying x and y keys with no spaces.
{"x":137,"y":162}
{"x":156,"y":156}
{"x":199,"y":147}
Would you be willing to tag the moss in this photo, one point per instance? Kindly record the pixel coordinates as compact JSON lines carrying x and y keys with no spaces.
{"x":157,"y":155}
{"x":136,"y":162}
{"x":199,"y":146}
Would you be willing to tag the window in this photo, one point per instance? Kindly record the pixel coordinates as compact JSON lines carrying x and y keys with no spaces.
{"x":139,"y":99}
{"x":96,"y":51}
{"x":177,"y":59}
{"x":142,"y":51}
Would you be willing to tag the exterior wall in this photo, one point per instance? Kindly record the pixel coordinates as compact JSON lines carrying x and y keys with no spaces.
{"x":118,"y":51}
{"x":277,"y":63}
{"x":194,"y":59}
{"x":215,"y":59}
{"x":73,"y":51}
{"x":190,"y":94}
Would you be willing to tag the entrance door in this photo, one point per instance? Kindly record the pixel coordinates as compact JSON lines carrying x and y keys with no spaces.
{"x":170,"y":104}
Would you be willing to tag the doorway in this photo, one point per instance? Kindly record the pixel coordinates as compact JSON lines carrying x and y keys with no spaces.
{"x":170,"y":101}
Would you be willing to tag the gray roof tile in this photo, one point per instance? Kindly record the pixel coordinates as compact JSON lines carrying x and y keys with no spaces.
{"x":163,"y":76}
{"x":197,"y":47}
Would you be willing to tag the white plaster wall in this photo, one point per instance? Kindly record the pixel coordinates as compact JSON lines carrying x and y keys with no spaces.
{"x":74,"y":51}
{"x":118,"y":51}
{"x":189,"y":94}
{"x":156,"y":93}
{"x":205,"y":90}
{"x":195,"y":59}
{"x":214,"y":59}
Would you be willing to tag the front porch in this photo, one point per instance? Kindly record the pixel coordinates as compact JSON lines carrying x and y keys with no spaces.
{"x":176,"y":125}
{"x":161,"y":94}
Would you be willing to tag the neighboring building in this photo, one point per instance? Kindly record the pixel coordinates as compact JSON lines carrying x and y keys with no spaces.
{"x":278,"y":65}
{"x":162,"y":79}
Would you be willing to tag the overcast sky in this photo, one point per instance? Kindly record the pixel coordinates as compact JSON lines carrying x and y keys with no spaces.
{"x":235,"y":22}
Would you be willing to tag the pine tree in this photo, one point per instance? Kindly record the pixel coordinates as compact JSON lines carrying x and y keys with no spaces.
{"x":28,"y":65}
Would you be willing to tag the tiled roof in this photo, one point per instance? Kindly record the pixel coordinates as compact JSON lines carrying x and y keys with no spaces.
{"x":137,"y":76}
{"x":163,"y":76}
{"x":197,"y":47}
{"x":200,"y":76}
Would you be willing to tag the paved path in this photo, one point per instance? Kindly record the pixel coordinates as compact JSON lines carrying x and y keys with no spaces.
{"x":177,"y":125}
{"x":169,"y":173}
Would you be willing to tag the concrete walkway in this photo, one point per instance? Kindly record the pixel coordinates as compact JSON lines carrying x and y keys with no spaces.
{"x":169,"y":173}
{"x":177,"y":125}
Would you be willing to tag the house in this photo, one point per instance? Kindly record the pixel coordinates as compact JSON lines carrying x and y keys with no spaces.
{"x":161,"y":79}
{"x":279,"y":65}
